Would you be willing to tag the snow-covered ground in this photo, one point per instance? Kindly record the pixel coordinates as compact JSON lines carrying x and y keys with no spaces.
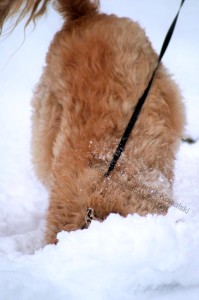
{"x":134,"y":258}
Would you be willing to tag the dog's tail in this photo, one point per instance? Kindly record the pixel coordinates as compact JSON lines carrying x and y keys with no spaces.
{"x":74,"y":9}
{"x":70,"y":9}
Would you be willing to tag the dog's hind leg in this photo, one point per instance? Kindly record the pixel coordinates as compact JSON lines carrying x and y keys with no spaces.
{"x":45,"y":125}
{"x":67,"y":208}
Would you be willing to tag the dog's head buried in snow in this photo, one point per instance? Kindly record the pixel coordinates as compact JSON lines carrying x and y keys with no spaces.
{"x":96,"y":69}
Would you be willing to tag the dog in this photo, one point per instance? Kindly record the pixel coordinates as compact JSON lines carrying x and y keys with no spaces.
{"x":97,"y":67}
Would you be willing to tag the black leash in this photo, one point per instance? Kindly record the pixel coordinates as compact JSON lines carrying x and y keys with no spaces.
{"x":137,"y":110}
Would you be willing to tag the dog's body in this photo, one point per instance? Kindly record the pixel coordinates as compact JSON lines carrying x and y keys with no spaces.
{"x":97,"y":67}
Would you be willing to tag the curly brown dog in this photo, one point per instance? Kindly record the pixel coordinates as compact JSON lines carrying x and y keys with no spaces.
{"x":96,"y":69}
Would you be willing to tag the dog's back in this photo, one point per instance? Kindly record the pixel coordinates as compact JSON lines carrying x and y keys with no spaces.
{"x":97,"y":68}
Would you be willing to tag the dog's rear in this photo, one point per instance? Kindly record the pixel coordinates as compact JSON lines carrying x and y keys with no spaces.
{"x":97,"y":68}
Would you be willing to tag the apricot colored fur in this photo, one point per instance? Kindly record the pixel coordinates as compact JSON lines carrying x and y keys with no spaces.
{"x":96,"y":69}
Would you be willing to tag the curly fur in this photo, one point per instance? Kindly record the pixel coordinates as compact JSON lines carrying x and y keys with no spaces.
{"x":97,"y":67}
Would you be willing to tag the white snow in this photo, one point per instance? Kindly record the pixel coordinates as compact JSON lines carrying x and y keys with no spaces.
{"x":140,"y":258}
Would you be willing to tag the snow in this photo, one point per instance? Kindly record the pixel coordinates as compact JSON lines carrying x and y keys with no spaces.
{"x":151,"y":257}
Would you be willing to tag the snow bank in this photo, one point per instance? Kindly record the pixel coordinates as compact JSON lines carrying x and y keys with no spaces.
{"x":113,"y":260}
